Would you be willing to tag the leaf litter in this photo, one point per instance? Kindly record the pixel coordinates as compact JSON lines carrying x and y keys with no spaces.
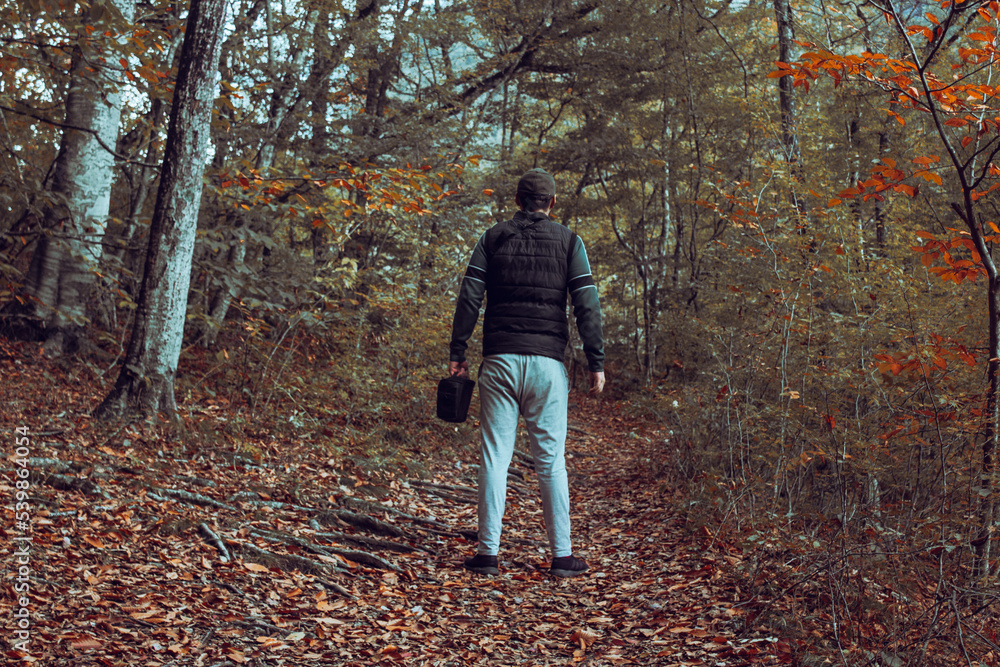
{"x":216,"y":557}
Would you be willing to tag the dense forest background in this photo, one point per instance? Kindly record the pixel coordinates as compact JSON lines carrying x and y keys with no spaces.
{"x":789,"y":208}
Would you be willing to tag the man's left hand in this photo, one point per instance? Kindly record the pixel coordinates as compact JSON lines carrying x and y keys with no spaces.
{"x":459,"y":368}
{"x":596,"y":382}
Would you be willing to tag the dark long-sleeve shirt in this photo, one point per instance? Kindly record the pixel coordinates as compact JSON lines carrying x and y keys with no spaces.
{"x":578,"y":282}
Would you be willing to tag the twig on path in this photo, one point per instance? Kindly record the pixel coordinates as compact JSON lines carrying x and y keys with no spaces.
{"x":197,"y":481}
{"x":214,"y":540}
{"x":288,"y":561}
{"x":448,"y":496}
{"x":243,"y":496}
{"x":235,"y":458}
{"x":524,"y":540}
{"x":190,"y":498}
{"x":365,"y":558}
{"x":443,"y":533}
{"x":67,"y":483}
{"x":263,"y":625}
{"x":287,"y":539}
{"x":90,"y":451}
{"x":376,"y":507}
{"x":334,"y":586}
{"x":360,"y":557}
{"x":229,"y":587}
{"x":448,"y":487}
{"x":45,"y":434}
{"x":363,"y":540}
{"x":278,"y":505}
{"x":137,"y":621}
{"x":55,"y":464}
{"x":329,"y":517}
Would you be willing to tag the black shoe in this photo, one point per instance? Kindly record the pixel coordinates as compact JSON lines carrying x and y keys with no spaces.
{"x":567,"y":566}
{"x":481,"y":564}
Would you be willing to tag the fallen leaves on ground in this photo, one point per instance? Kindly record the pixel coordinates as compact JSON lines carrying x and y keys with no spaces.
{"x":131,"y":532}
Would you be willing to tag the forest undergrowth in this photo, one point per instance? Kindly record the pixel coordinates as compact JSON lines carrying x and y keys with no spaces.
{"x":330,"y":529}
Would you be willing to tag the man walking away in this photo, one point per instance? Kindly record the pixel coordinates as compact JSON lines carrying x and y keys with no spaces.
{"x":525,"y":267}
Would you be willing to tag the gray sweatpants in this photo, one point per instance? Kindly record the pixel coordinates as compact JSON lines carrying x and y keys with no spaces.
{"x":536,"y":388}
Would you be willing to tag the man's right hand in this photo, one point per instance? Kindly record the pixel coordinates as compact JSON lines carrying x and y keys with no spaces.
{"x":461,"y":368}
{"x":597,"y":382}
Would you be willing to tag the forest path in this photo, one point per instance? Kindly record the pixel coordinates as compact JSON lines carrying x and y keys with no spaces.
{"x":148,"y":552}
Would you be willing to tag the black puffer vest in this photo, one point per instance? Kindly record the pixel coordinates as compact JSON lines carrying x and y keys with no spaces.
{"x":526,"y":279}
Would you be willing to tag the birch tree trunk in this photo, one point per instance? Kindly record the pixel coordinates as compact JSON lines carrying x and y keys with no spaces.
{"x":146,"y":381}
{"x":218,"y":300}
{"x":786,"y":103}
{"x":786,"y":95}
{"x":65,"y":259}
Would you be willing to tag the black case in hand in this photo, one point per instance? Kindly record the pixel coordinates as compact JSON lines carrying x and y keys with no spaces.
{"x":453,"y":397}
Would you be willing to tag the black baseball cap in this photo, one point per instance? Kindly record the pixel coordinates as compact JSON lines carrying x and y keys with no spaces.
{"x":537,"y":183}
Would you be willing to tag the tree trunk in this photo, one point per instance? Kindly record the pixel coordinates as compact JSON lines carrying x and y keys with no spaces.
{"x":854,"y":159}
{"x":880,"y":229}
{"x":146,"y":381}
{"x":786,"y":103}
{"x":131,"y":239}
{"x":222,"y":298}
{"x":987,"y":490}
{"x":983,"y":542}
{"x":65,"y":260}
{"x":218,"y":297}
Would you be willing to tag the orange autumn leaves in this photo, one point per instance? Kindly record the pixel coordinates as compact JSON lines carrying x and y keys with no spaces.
{"x":887,"y":176}
{"x":957,"y":268}
{"x":947,"y":90}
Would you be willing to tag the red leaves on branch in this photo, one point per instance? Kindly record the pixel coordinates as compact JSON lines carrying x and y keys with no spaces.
{"x":886,"y":176}
{"x":926,"y":360}
{"x":956,"y":267}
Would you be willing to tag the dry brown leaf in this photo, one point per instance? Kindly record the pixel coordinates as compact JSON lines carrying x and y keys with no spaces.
{"x":336,"y":559}
{"x":586,"y":639}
